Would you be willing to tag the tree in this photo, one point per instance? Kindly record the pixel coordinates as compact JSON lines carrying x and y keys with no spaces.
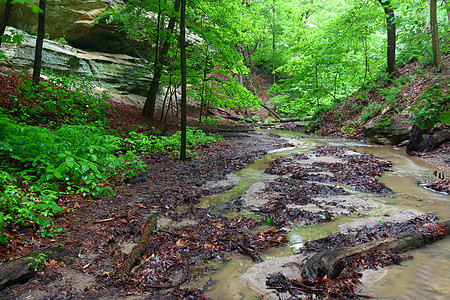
{"x":447,"y":6}
{"x":183,"y":79}
{"x":438,"y":64}
{"x":391,"y":40}
{"x":273,"y":42}
{"x":150,"y":103}
{"x":6,"y":14}
{"x":39,"y":43}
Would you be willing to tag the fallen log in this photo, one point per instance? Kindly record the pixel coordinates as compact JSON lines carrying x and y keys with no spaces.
{"x":332,"y":262}
{"x":22,"y":269}
{"x":289,"y":120}
{"x":271,"y":111}
{"x":420,"y":144}
{"x":140,"y":248}
{"x":16,"y":272}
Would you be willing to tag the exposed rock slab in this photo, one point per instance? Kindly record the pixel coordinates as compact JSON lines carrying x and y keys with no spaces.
{"x":75,"y":21}
{"x":116,"y":72}
{"x":372,"y":221}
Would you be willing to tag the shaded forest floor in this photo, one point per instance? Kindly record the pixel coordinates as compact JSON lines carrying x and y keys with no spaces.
{"x":85,"y":261}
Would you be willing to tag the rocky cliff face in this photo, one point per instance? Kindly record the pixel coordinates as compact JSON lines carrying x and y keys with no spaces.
{"x":74,"y":20}
{"x":116,"y":72}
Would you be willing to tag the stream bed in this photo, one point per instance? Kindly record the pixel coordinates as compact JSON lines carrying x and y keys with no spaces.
{"x":427,"y":276}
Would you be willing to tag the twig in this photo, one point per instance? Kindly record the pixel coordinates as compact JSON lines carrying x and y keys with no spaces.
{"x":249,"y":252}
{"x":110,"y":219}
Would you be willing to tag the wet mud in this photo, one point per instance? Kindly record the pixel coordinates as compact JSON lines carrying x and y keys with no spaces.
{"x":194,"y":234}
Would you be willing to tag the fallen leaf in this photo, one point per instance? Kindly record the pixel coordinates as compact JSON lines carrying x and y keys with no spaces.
{"x":181,"y":244}
{"x":51,"y":263}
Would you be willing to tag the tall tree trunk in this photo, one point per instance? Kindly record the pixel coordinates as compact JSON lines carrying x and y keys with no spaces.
{"x":317,"y":86}
{"x":205,"y":73}
{"x":6,"y":14}
{"x":447,"y":6}
{"x":390,"y":22}
{"x":39,"y":43}
{"x":438,"y":64}
{"x":273,"y":41}
{"x":183,"y":80}
{"x":150,"y":102}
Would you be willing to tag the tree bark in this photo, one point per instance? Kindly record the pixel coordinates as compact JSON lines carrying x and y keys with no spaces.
{"x":16,"y":272}
{"x":183,"y":80}
{"x":205,"y":74}
{"x":150,"y":102}
{"x":447,"y":5}
{"x":391,"y":39}
{"x":332,"y":262}
{"x":432,"y":142}
{"x":22,"y":269}
{"x":273,"y":41}
{"x":39,"y":43}
{"x":6,"y":15}
{"x":416,"y":139}
{"x":438,"y":64}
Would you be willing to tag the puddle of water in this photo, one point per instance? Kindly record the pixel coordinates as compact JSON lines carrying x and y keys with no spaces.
{"x":227,"y":284}
{"x":425,"y":277}
{"x":245,"y":179}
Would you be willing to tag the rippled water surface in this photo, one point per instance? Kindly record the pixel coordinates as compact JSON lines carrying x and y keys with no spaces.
{"x":427,"y":276}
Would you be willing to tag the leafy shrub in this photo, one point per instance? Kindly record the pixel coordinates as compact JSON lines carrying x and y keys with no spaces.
{"x":158,"y":144}
{"x":427,"y":112}
{"x":58,"y":100}
{"x":390,"y":93}
{"x":210,"y":121}
{"x":71,"y":159}
{"x":349,"y":127}
{"x":23,"y":207}
{"x":369,"y":111}
{"x":444,"y":117}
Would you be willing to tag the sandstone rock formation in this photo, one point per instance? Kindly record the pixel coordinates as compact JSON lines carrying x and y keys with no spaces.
{"x":74,"y":20}
{"x":116,"y":72}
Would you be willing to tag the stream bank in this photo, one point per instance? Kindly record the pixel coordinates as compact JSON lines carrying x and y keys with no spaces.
{"x":393,"y":201}
{"x":195,"y":238}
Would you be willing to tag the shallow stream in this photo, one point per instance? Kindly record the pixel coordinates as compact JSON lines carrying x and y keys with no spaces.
{"x":427,"y":276}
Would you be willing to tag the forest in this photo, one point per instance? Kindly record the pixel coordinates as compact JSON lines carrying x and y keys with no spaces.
{"x":153,"y":199}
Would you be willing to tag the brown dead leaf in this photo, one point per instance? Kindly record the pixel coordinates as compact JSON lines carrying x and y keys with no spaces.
{"x":52,"y":263}
{"x":181,"y":244}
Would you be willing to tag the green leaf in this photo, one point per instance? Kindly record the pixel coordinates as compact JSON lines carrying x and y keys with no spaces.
{"x":5,"y":146}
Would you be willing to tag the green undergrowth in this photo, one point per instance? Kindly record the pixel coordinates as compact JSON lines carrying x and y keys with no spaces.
{"x":430,"y":109}
{"x":60,"y":99}
{"x":41,"y":164}
{"x":158,"y":144}
{"x":389,"y":105}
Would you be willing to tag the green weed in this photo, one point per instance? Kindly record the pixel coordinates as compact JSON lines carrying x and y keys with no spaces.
{"x":369,"y":111}
{"x":38,"y":261}
{"x":72,"y":159}
{"x":58,"y":100}
{"x":427,"y":112}
{"x":158,"y":144}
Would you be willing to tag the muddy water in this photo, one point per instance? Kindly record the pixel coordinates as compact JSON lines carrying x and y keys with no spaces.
{"x":427,"y":276}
